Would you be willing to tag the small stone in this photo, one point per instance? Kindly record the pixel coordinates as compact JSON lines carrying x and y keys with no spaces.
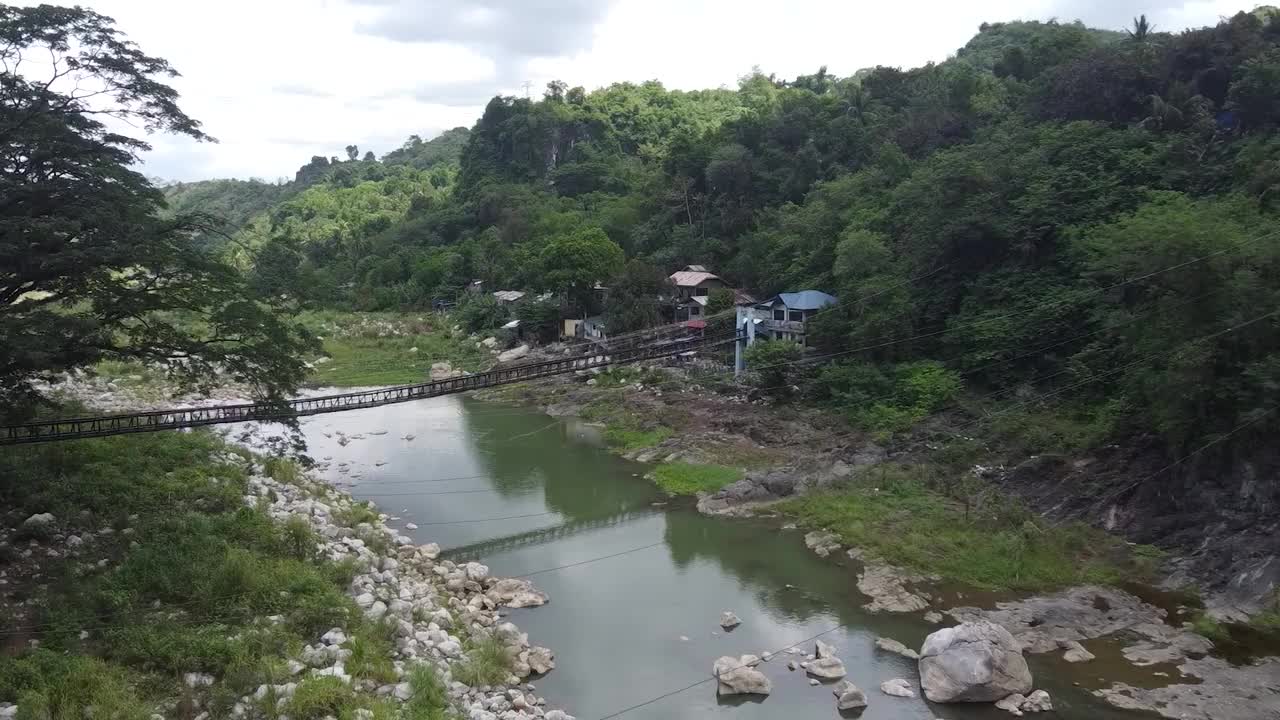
{"x":792,"y":666}
{"x":1012,"y":703}
{"x":729,"y":621}
{"x":410,"y":526}
{"x":893,"y":646}
{"x":813,"y":682}
{"x":1074,"y":652}
{"x":849,"y":696}
{"x":897,"y":688}
{"x":1037,"y":701}
{"x":933,"y":616}
{"x":830,"y":668}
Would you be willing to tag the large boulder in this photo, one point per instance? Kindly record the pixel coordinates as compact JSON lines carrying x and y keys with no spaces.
{"x":973,"y":662}
{"x":736,"y":676}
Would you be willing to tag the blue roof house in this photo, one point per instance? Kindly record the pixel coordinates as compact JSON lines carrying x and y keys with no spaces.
{"x":784,"y":316}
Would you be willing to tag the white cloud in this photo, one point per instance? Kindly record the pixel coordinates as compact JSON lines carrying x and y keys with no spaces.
{"x":277,"y":81}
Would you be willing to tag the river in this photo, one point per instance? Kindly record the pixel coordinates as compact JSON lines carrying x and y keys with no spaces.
{"x":636,"y":589}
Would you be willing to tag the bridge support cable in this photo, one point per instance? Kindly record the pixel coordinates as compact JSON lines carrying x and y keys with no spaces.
{"x":152,"y":421}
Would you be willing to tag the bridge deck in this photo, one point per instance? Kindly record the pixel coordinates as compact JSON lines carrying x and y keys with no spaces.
{"x":153,"y":421}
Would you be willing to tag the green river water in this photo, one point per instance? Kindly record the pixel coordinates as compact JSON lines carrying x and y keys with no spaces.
{"x":643,"y":621}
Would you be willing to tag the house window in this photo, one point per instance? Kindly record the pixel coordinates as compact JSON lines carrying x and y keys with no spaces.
{"x":700,"y":292}
{"x":797,"y":316}
{"x":695,"y":311}
{"x":780,"y":315}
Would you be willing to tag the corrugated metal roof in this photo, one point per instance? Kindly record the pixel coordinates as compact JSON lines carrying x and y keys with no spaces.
{"x":803,"y":300}
{"x":508,"y":295}
{"x":688,"y":278}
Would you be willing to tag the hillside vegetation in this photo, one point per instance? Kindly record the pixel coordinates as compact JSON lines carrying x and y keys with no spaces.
{"x":1056,"y":209}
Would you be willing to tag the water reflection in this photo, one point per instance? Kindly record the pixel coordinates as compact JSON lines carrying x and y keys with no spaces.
{"x":636,"y":591}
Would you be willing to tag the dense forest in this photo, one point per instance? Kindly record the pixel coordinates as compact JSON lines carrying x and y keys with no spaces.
{"x":1108,"y":197}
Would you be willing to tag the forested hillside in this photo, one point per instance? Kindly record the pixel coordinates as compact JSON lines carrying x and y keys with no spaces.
{"x":980,"y":212}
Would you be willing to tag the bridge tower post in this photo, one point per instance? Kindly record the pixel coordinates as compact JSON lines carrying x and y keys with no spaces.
{"x":746,"y":328}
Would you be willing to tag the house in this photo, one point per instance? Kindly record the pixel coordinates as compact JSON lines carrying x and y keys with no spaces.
{"x":695,"y":281}
{"x":784,"y":316}
{"x":691,"y":308}
{"x":592,"y":328}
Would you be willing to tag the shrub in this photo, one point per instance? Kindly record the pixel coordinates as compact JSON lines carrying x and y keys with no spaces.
{"x":768,"y":361}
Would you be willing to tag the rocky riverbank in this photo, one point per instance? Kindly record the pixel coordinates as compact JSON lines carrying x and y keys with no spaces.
{"x":439,"y":611}
{"x":447,"y":644}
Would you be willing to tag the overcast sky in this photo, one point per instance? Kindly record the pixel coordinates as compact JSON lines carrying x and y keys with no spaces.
{"x":277,"y":81}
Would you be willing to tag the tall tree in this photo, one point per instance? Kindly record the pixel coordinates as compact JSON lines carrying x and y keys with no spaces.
{"x":88,"y":269}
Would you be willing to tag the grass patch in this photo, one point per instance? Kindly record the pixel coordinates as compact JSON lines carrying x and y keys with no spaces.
{"x":689,"y":479}
{"x":378,"y":348}
{"x":282,"y":470}
{"x":891,"y":512}
{"x":628,"y":440}
{"x":359,"y":512}
{"x":430,"y":699}
{"x":487,"y":662}
{"x":186,"y":590}
{"x":371,"y":647}
{"x":625,"y":429}
{"x":51,"y":686}
{"x":316,"y":698}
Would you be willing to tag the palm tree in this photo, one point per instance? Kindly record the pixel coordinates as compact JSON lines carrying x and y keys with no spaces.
{"x":1141,"y":29}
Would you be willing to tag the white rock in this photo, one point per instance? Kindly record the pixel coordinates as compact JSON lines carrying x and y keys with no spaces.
{"x":830,"y":668}
{"x":849,"y":696}
{"x":1038,"y":701}
{"x":737,"y":677}
{"x":897,"y":688}
{"x":197,"y":680}
{"x":729,"y":621}
{"x":334,"y":637}
{"x":973,"y":662}
{"x":823,"y":650}
{"x":513,"y":354}
{"x":1012,"y":703}
{"x":476,"y":571}
{"x":410,"y":526}
{"x":893,"y":646}
{"x":376,"y":610}
{"x":39,"y":521}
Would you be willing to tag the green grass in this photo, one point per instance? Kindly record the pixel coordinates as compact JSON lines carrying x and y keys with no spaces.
{"x":628,"y":440}
{"x":891,"y":513}
{"x":50,"y":686}
{"x":689,"y":479}
{"x":376,"y":348}
{"x":487,"y":663}
{"x":371,"y":648}
{"x":185,"y":591}
{"x":625,"y":429}
{"x":359,"y":512}
{"x":430,"y":699}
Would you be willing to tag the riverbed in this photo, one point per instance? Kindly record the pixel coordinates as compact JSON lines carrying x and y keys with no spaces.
{"x":637,"y":584}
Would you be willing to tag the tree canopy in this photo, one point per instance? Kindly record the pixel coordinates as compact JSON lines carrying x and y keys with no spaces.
{"x":89,"y":267}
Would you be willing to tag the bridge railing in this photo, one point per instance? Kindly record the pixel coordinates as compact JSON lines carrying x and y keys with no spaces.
{"x":156,"y":420}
